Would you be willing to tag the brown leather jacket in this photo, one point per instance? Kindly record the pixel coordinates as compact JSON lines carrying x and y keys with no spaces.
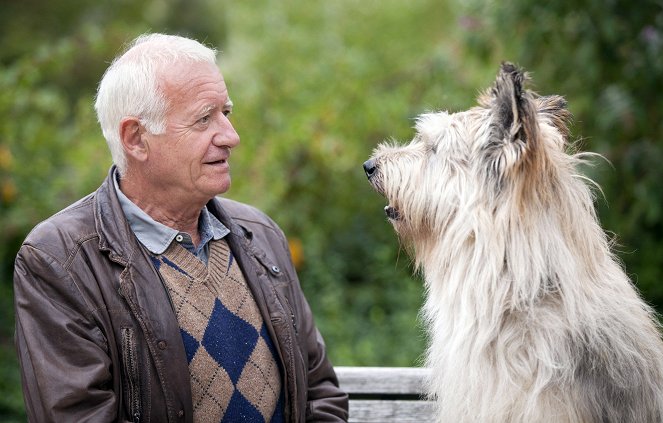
{"x":97,"y":337}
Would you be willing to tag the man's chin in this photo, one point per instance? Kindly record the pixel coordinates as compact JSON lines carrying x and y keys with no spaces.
{"x":222,"y":187}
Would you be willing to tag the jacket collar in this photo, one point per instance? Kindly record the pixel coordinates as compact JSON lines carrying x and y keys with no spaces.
{"x":240,"y":234}
{"x":115,"y":235}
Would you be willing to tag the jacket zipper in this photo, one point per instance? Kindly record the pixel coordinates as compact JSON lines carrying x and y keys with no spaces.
{"x":131,"y":365}
{"x":293,"y":346}
{"x":292,"y":315}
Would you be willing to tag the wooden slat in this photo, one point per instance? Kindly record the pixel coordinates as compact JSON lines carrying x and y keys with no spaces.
{"x":369,"y":411}
{"x":382,"y":380}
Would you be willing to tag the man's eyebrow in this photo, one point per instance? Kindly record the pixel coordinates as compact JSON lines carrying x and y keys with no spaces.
{"x":203,"y":111}
{"x":211,"y":107}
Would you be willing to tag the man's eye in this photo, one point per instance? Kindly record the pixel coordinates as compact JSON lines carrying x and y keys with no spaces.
{"x":227,"y":113}
{"x":204,"y":119}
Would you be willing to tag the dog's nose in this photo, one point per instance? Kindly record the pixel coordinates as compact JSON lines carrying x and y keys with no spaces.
{"x":370,"y":167}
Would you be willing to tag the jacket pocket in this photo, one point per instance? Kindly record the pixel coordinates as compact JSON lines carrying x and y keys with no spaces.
{"x":131,"y":373}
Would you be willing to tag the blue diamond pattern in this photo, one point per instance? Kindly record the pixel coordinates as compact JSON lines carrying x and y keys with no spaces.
{"x":191,"y":345}
{"x":229,"y":340}
{"x":241,"y":410}
{"x":277,"y":417}
{"x":268,"y":340}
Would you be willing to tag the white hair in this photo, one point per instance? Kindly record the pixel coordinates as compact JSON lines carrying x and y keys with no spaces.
{"x":130,"y":85}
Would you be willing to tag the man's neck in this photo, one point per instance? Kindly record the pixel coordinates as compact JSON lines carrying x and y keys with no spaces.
{"x":181,"y":217}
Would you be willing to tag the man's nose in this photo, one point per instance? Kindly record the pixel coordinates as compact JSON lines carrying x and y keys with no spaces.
{"x":225,"y":136}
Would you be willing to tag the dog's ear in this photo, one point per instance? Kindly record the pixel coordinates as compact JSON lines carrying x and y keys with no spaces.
{"x":513,"y":136}
{"x":554,"y":109}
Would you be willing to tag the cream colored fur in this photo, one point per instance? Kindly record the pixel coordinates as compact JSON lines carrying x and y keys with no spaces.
{"x":530,"y":315}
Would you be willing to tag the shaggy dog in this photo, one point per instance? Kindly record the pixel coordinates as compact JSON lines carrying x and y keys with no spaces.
{"x":531,"y":317}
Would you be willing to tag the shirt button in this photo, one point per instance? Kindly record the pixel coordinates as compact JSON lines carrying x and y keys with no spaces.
{"x":276,"y":270}
{"x":180,"y":413}
{"x":179,"y":238}
{"x":162,"y":345}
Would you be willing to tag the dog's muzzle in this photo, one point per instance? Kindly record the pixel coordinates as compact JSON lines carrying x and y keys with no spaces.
{"x":370,"y":168}
{"x":392,"y":213}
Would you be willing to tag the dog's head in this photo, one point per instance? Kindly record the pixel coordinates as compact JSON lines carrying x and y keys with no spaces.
{"x":472,"y":162}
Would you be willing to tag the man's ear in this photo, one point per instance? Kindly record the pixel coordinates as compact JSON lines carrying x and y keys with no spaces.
{"x":132,"y":137}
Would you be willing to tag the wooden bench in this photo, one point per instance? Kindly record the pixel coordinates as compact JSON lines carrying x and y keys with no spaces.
{"x":386,"y":394}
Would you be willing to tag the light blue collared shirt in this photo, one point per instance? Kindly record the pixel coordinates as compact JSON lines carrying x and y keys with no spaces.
{"x":157,"y":237}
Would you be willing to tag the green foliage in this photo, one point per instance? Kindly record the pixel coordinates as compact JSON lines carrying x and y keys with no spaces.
{"x":316,"y":86}
{"x":307,"y":124}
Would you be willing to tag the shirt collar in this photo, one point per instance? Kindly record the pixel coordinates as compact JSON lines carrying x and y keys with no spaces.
{"x":155,"y":236}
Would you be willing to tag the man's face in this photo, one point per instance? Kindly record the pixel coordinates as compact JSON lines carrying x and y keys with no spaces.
{"x":189,"y":161}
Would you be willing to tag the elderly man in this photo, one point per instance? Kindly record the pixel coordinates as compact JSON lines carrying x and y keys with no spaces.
{"x":153,"y":300}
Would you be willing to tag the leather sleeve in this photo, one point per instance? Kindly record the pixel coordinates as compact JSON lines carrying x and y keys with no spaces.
{"x":65,"y":367}
{"x":326,"y":402}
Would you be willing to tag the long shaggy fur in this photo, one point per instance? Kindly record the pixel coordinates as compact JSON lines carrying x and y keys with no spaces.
{"x":531,"y":317}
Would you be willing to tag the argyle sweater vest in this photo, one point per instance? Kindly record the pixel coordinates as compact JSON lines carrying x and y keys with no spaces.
{"x":233,"y":365}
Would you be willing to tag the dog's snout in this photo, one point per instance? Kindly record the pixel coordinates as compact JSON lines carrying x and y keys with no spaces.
{"x":370,"y":168}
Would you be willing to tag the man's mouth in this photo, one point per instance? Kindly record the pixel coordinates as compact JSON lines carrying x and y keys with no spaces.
{"x":219,"y":162}
{"x":219,"y":158}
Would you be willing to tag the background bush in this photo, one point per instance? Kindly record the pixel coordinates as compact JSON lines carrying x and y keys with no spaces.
{"x":316,"y":85}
